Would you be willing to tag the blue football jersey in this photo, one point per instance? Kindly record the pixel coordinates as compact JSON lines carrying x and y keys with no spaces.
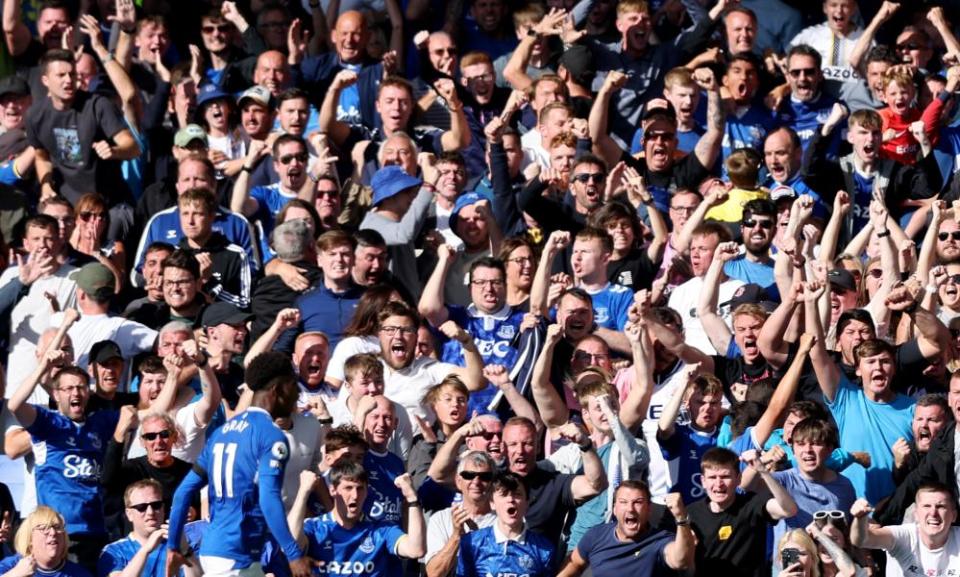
{"x":610,"y":306}
{"x":242,"y":464}
{"x":481,"y":555}
{"x":367,"y":549}
{"x":69,"y":457}
{"x":495,"y":337}
{"x":271,"y":200}
{"x":384,"y":500}
{"x":688,"y":445}
{"x":747,"y":130}
{"x":806,"y":118}
{"x":68,"y":569}
{"x":117,"y":555}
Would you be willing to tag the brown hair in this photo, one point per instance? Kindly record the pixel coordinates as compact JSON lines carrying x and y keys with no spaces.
{"x":867,"y":118}
{"x":743,"y":167}
{"x":451,"y":382}
{"x":364,"y":364}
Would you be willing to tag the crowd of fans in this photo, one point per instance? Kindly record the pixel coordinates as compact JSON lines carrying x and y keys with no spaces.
{"x":479,"y":288}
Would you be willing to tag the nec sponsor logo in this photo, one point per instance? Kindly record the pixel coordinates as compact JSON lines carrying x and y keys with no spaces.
{"x":495,"y":348}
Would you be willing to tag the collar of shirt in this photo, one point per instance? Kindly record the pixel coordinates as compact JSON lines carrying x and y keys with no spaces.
{"x":500,"y":315}
{"x":499,"y":537}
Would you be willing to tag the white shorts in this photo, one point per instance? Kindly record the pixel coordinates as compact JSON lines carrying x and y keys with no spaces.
{"x":223,"y":567}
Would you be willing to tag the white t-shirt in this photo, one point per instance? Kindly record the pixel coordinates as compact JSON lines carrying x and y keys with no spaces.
{"x":910,"y":558}
{"x":345,"y":349}
{"x":192,"y":436}
{"x":828,"y":44}
{"x":132,"y":337}
{"x":685,"y":298}
{"x":408,"y":386}
{"x":533,"y":150}
{"x":305,"y":454}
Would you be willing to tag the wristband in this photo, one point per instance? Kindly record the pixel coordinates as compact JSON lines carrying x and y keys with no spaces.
{"x":683,"y":522}
{"x":585,"y":447}
{"x":414,"y":503}
{"x":246,"y":169}
{"x":325,"y":420}
{"x":883,"y":234}
{"x":204,"y":357}
{"x":932,"y":289}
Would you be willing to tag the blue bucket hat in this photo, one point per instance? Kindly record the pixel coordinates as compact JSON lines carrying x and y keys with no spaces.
{"x":391,"y":180}
{"x":209,"y":93}
{"x":463,"y":201}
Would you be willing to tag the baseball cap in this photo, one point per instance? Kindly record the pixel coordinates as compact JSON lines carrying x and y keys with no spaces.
{"x":220,"y":313}
{"x":209,"y":92}
{"x":750,"y":293}
{"x":258,"y":94}
{"x":96,"y":280}
{"x":579,"y":62}
{"x":462,"y":202}
{"x":103,"y":351}
{"x":14,"y":85}
{"x":841,"y":277}
{"x":390,"y":181}
{"x":188,"y":134}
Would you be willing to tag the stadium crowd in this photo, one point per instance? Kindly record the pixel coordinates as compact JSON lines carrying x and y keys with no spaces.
{"x":479,"y":288}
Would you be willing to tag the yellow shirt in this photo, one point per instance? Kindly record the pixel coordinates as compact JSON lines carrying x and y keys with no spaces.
{"x":732,"y":209}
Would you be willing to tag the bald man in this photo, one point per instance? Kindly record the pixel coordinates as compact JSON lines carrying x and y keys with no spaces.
{"x":272,"y":72}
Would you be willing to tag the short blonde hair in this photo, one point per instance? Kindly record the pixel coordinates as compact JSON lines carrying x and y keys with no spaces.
{"x":42,"y":515}
{"x":800,"y":537}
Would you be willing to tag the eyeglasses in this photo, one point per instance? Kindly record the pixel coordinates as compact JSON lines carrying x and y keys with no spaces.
{"x":484,"y":77}
{"x":72,"y":388}
{"x":489,"y":435}
{"x":164,"y":434}
{"x":392,"y":330}
{"x":179,"y":283}
{"x":954,"y":279}
{"x":764,"y":224}
{"x":659,"y":135}
{"x":684,"y":209}
{"x":875,"y":272}
{"x":54,"y":528}
{"x":521,"y":260}
{"x":584,"y":356}
{"x":330,"y":193}
{"x":142,"y":507}
{"x":86,"y":215}
{"x":588,"y":176}
{"x":288,"y":158}
{"x":834,"y":517}
{"x":492,"y":283}
{"x":943,"y":236}
{"x":485,"y":476}
{"x":798,"y":72}
{"x":222,"y":29}
{"x":909,"y":46}
{"x":451,"y":51}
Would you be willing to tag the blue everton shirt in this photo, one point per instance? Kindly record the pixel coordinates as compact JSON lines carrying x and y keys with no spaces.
{"x":384,"y":500}
{"x":487,"y":552}
{"x":807,"y":117}
{"x":366,"y":549}
{"x":69,"y":569}
{"x":494,"y":334}
{"x":242,"y":464}
{"x":610,"y":306}
{"x":69,"y":457}
{"x":271,"y":199}
{"x":748,"y":130}
{"x":687,"y":446}
{"x":117,"y":555}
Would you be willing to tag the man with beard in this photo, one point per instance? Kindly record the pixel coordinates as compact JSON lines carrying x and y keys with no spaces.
{"x":509,"y":545}
{"x":68,"y":479}
{"x":332,"y":540}
{"x":783,"y":157}
{"x":659,"y":167}
{"x":754,"y":265}
{"x":870,"y":418}
{"x":930,"y":416}
{"x":629,"y":544}
{"x":256,"y":113}
{"x":475,"y":474}
{"x":587,"y":184}
{"x":929,"y":545}
{"x":686,"y":297}
{"x":247,"y":489}
{"x":408,"y":378}
{"x":492,"y":324}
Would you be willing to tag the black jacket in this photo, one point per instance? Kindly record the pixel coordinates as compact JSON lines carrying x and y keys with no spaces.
{"x":937,"y":465}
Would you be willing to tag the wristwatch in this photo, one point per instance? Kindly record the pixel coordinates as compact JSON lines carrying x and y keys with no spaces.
{"x":584,"y":447}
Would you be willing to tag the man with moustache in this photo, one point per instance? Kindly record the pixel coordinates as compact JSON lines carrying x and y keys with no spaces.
{"x":930,"y":416}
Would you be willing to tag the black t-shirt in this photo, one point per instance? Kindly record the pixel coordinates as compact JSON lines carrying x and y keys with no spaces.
{"x":634,"y":271}
{"x":98,"y":403}
{"x":736,"y":370}
{"x":732,"y":543}
{"x":686,"y":173}
{"x":550,"y":498}
{"x":68,"y":136}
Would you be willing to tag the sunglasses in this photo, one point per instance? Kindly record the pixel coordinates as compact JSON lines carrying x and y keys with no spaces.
{"x":798,"y":72}
{"x":764,"y":224}
{"x":875,"y":273}
{"x":142,"y":507}
{"x":153,"y":436}
{"x":586,"y":177}
{"x":834,"y":517}
{"x":485,"y":476}
{"x":954,"y":279}
{"x":223,"y":29}
{"x":288,"y":158}
{"x":955,"y":235}
{"x":87,"y":215}
{"x":909,"y":46}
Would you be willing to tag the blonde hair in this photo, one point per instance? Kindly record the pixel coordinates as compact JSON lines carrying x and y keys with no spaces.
{"x":800,"y":537}
{"x":42,"y":515}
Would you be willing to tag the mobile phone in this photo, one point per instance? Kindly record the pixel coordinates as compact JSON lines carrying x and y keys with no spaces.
{"x":789,"y":556}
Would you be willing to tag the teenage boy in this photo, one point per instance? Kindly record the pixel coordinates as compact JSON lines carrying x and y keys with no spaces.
{"x":727,"y":523}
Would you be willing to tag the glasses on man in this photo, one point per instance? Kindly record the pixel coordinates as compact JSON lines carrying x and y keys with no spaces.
{"x":164,"y":434}
{"x":142,"y":507}
{"x":584,"y":177}
{"x":210,"y":29}
{"x":798,"y":72}
{"x":909,"y":46}
{"x":764,"y":224}
{"x":288,"y":158}
{"x":585,"y":357}
{"x":943,"y":236}
{"x":392,"y":330}
{"x":492,"y":283}
{"x":485,"y":476}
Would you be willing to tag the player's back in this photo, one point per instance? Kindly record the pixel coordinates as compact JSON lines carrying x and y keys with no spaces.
{"x":238,"y":457}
